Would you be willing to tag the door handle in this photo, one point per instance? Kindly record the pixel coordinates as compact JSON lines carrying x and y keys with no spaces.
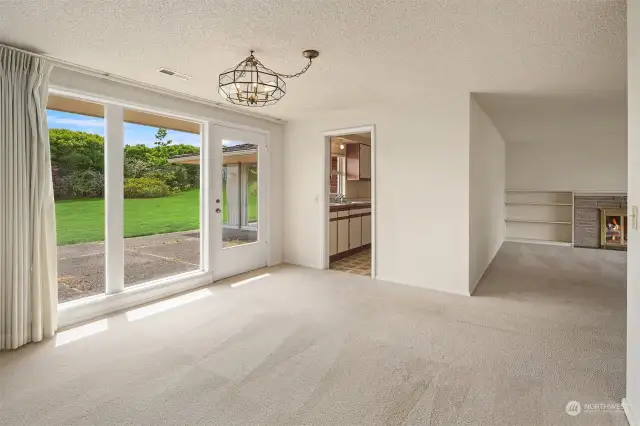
{"x":218,"y":211}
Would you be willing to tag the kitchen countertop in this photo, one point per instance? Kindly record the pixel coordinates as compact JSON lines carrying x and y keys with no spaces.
{"x":336,"y":207}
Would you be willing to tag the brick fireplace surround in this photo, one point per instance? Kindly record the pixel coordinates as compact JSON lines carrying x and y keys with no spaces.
{"x":586,"y":228}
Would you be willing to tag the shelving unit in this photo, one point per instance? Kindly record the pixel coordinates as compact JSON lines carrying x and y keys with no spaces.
{"x":535,"y":241}
{"x":557,"y":222}
{"x":538,"y":216}
{"x":538,"y":204}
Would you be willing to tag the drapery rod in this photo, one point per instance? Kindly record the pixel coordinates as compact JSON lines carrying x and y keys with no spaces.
{"x":124,"y":80}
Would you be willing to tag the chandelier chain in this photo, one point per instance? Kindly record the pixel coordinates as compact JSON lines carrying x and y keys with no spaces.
{"x":298,"y":74}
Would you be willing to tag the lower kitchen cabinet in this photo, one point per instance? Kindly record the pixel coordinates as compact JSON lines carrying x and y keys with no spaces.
{"x":343,"y":235}
{"x":355,"y":232}
{"x":349,"y":231}
{"x":366,"y":230}
{"x":333,"y":237}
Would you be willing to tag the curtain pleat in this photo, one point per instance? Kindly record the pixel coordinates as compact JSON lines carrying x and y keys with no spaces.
{"x":28,"y":287}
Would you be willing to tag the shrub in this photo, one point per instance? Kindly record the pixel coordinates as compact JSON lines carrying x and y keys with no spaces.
{"x":61,"y":187}
{"x":193,"y":174}
{"x":175,"y":176}
{"x":135,"y":168}
{"x":178,"y":178}
{"x":145,"y":188}
{"x":86,"y":183}
{"x":77,"y":159}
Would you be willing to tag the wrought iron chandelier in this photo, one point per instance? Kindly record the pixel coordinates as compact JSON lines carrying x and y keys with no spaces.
{"x":252,"y":84}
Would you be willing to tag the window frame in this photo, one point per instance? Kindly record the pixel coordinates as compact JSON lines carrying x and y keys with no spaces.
{"x":341,"y":172}
{"x":116,"y":296}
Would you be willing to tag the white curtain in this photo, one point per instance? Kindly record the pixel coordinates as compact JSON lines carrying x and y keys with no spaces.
{"x":28,"y":270}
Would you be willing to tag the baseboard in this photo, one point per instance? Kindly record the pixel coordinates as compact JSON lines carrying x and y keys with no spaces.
{"x":424,"y":287}
{"x":627,"y":411}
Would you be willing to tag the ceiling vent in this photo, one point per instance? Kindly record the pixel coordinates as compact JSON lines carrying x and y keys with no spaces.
{"x":172,"y":73}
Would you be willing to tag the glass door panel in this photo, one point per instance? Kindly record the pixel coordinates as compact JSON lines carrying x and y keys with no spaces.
{"x":239,"y":193}
{"x":241,"y":243}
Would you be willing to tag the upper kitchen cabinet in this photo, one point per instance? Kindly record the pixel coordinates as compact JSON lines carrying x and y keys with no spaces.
{"x":358,"y":161}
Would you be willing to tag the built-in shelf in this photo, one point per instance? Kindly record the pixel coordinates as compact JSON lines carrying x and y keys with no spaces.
{"x":539,"y":216}
{"x":536,"y":241}
{"x":555,"y":222}
{"x":538,"y":204}
{"x":537,"y":191}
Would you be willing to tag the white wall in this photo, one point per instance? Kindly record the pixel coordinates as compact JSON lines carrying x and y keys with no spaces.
{"x":422,"y":189}
{"x":590,"y":164}
{"x":73,"y":81}
{"x":633,"y":254}
{"x":486,"y":193}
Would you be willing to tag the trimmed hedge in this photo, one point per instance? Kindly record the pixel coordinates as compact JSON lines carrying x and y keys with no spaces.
{"x":145,"y":187}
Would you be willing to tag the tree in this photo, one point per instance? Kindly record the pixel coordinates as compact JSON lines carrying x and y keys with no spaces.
{"x":160,"y":135}
{"x":73,"y":150}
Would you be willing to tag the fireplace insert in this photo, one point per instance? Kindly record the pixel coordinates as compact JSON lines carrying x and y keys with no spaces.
{"x":613,"y":228}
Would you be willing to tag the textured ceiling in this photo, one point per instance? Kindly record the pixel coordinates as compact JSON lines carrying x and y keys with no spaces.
{"x":372,"y":51}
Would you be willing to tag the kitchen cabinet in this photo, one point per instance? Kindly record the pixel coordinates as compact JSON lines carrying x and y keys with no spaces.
{"x":349,"y":230}
{"x":333,"y":237}
{"x":343,"y":232}
{"x":366,"y":230}
{"x":365,"y":161}
{"x":355,"y":232}
{"x":358,"y":157}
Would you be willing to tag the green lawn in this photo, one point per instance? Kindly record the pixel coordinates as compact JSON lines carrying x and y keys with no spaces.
{"x":79,"y":221}
{"x":82,"y":220}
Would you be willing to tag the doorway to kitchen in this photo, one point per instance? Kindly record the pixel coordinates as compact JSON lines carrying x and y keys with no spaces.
{"x":348,"y":204}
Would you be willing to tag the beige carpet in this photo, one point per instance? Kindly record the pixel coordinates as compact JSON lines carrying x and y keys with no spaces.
{"x":546,"y":326}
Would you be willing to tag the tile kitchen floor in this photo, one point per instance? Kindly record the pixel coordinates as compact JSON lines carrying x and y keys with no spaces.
{"x":359,"y":263}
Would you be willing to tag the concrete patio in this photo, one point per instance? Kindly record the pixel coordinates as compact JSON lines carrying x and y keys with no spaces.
{"x":81,"y":266}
